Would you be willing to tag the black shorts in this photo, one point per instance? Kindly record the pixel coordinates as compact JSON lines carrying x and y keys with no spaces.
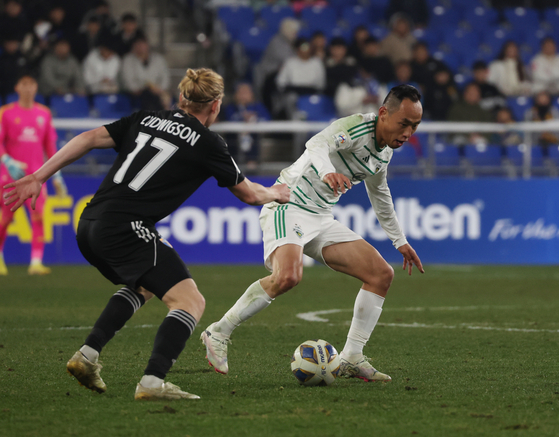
{"x":131,"y":253}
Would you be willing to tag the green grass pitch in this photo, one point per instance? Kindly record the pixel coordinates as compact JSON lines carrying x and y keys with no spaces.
{"x":473,"y":351}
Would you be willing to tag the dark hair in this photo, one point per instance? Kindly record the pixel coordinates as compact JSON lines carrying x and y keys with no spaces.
{"x":519,"y":65}
{"x":370,"y":40}
{"x":398,"y":93}
{"x":546,"y":39}
{"x":421,"y":43}
{"x":338,"y":41}
{"x":479,"y":65}
{"x":300,"y":41}
{"x":128,"y":16}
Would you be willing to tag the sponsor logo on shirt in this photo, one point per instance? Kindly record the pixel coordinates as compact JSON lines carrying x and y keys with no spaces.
{"x":40,"y":120}
{"x":28,"y":134}
{"x":339,"y":138}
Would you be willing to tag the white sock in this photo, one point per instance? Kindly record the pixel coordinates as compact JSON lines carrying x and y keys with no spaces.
{"x":254,"y":300}
{"x":150,"y":381}
{"x":90,"y":353}
{"x":366,"y":312}
{"x":36,"y":261}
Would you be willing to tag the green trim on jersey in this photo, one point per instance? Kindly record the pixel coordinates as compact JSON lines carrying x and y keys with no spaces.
{"x":361,"y":164}
{"x":375,"y":156}
{"x":299,"y":206}
{"x":346,"y":164}
{"x":318,"y":194}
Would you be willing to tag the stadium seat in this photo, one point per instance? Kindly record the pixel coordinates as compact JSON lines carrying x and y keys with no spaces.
{"x":404,"y":156}
{"x":378,"y":31}
{"x":519,"y":106}
{"x":319,"y":18}
{"x":516,"y":155}
{"x":446,"y":155}
{"x":340,"y":5}
{"x":460,"y":40}
{"x":236,"y":18}
{"x":317,"y":107}
{"x":553,"y":153}
{"x":480,"y":18}
{"x":483,"y":154}
{"x":430,"y":36}
{"x":452,"y":60}
{"x":13,"y":97}
{"x":341,"y":32}
{"x":356,"y":16}
{"x":551,"y":17}
{"x":445,"y":18}
{"x":522,"y":17}
{"x":112,"y":105}
{"x":69,"y":106}
{"x":273,"y":15}
{"x":495,"y":37}
{"x":255,"y":40}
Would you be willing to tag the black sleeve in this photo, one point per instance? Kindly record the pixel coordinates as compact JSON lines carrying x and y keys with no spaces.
{"x":221,"y":165}
{"x":118,"y":129}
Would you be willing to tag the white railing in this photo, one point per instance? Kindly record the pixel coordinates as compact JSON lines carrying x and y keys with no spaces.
{"x":304,"y":127}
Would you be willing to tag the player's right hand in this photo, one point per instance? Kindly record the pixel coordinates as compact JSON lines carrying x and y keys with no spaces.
{"x":16,"y":169}
{"x":338,"y":182}
{"x":283,"y":193}
{"x":23,"y":189}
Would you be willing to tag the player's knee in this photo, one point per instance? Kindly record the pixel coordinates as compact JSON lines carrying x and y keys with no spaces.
{"x":386,"y":275}
{"x":288,"y":280}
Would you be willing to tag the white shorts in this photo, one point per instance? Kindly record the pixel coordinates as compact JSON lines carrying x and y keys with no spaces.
{"x":288,"y":224}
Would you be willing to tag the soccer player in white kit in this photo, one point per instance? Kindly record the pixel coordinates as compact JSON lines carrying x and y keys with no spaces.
{"x":351,"y":150}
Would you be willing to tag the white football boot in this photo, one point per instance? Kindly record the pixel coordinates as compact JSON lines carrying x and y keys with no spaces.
{"x":216,"y":349}
{"x":167,"y":391}
{"x":358,"y":366}
{"x":86,"y":372}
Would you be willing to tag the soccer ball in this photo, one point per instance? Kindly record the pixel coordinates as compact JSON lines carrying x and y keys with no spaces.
{"x":315,"y":362}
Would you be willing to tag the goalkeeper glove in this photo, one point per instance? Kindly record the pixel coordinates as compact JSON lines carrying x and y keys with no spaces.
{"x":59,"y":185}
{"x":16,"y":169}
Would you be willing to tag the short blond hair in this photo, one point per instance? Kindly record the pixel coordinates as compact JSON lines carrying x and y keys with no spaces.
{"x":199,"y":88}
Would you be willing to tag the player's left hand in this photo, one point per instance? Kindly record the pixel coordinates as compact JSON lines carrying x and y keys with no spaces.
{"x":337,"y":182}
{"x":410,"y":258}
{"x":59,"y":186}
{"x":25,"y":188}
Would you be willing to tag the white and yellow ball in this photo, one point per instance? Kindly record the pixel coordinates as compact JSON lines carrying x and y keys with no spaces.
{"x":315,"y":362}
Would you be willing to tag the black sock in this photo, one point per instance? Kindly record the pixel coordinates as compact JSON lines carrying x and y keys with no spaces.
{"x":169,"y":342}
{"x":121,"y":307}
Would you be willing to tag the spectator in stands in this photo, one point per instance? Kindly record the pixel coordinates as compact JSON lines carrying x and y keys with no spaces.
{"x":86,"y":39}
{"x":403,"y":75}
{"x":360,"y":36}
{"x":280,"y":48}
{"x":508,"y":138}
{"x":13,"y":22}
{"x":128,"y":33}
{"x":102,"y":9}
{"x":61,"y":72}
{"x":508,"y":73}
{"x":416,"y":10}
{"x":543,"y":110}
{"x":318,"y":45}
{"x":145,"y":75}
{"x":245,"y":109}
{"x":440,"y":94}
{"x":424,"y":66}
{"x":362,"y":95}
{"x":101,"y":68}
{"x":35,"y":45}
{"x":491,"y":97}
{"x":299,"y":5}
{"x":469,"y":109}
{"x":12,"y":64}
{"x":380,"y":66}
{"x":300,"y":75}
{"x":340,"y":68}
{"x":545,"y":68}
{"x":59,"y":26}
{"x":397,"y":45}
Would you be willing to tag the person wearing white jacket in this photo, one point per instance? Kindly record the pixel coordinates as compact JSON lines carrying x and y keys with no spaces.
{"x":101,"y":69}
{"x":545,"y":68}
{"x":508,"y":73}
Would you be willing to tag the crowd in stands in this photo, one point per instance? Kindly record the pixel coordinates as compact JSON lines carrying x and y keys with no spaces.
{"x":472,"y":60}
{"x":78,"y":48}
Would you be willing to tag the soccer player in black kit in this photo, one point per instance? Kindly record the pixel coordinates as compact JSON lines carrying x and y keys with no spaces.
{"x":163,"y":157}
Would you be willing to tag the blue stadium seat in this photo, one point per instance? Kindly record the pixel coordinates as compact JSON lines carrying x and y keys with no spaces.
{"x":255,"y":40}
{"x":379,"y":31}
{"x":341,"y":32}
{"x":340,"y":5}
{"x":404,"y":156}
{"x":483,"y":155}
{"x":495,"y":37}
{"x":319,"y":18}
{"x":480,"y":18}
{"x":236,"y":18}
{"x":516,"y":155}
{"x":356,"y":16}
{"x":551,"y":16}
{"x":317,"y":107}
{"x":445,"y":18}
{"x":69,"y":106}
{"x":452,"y":60}
{"x":272,"y":16}
{"x":430,"y":36}
{"x":522,"y":17}
{"x":553,"y":153}
{"x":112,"y":105}
{"x":13,"y":97}
{"x":461,"y":40}
{"x":519,"y":106}
{"x":446,"y":155}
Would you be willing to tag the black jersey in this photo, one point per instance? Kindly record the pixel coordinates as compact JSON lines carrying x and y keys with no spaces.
{"x":163,"y":157}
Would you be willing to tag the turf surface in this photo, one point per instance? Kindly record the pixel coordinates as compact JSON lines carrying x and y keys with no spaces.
{"x":472,"y":351}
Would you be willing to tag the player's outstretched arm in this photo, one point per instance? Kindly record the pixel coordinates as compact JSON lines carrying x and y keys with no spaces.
{"x":256,"y":194}
{"x":29,"y":187}
{"x":410,"y":258}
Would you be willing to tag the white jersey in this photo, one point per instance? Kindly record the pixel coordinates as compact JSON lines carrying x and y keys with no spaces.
{"x":348,"y":146}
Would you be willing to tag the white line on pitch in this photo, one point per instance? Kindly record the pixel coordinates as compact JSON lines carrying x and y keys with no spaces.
{"x":464,"y":326}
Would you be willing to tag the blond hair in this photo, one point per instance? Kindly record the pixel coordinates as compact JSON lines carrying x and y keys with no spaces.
{"x":199,"y":88}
